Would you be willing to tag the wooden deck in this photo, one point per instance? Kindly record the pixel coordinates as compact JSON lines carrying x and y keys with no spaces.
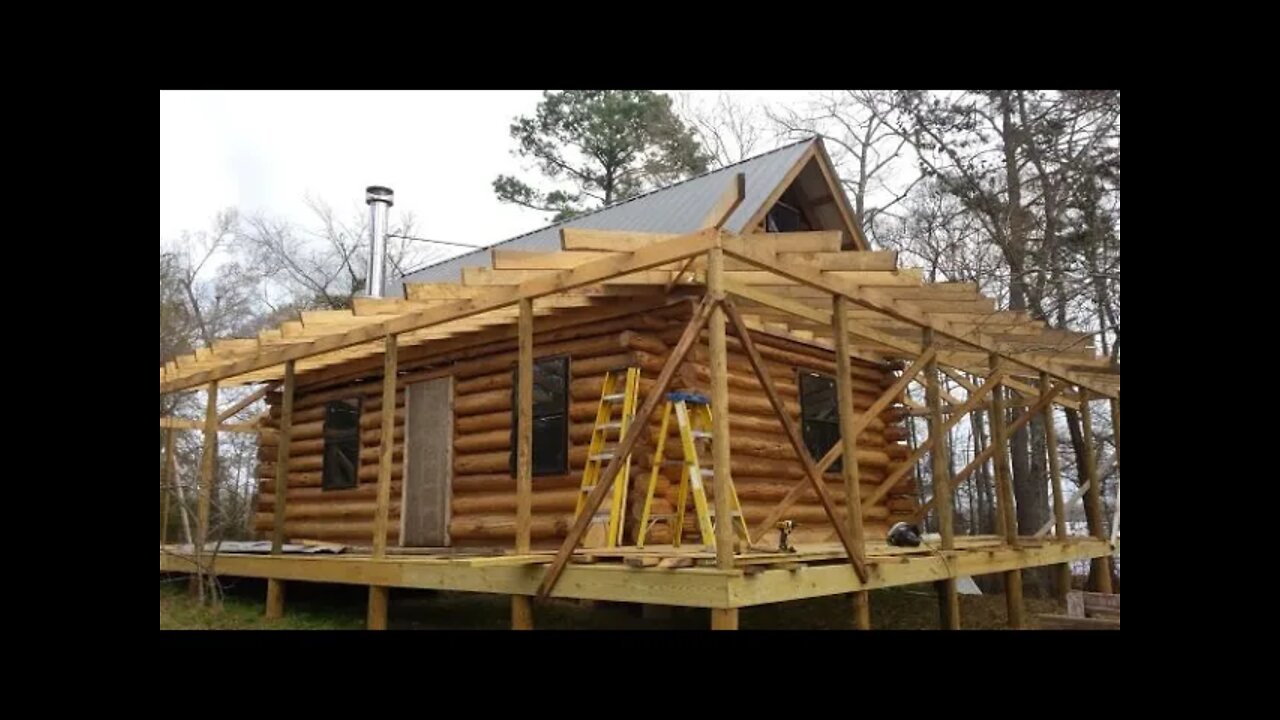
{"x":659,"y":575}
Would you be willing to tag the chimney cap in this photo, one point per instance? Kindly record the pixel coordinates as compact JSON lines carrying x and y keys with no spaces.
{"x":378,"y":193}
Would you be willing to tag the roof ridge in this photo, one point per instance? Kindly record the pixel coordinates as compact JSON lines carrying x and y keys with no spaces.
{"x":620,"y":203}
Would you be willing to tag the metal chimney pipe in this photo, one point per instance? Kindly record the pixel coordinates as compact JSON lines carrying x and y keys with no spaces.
{"x":380,"y":200}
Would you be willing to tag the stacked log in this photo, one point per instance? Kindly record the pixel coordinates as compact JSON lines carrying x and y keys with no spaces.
{"x":483,"y":502}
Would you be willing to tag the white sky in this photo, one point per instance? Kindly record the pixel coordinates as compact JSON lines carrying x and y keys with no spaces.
{"x":267,"y":150}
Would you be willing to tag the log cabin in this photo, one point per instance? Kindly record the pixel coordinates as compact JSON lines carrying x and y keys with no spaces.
{"x":439,"y":431}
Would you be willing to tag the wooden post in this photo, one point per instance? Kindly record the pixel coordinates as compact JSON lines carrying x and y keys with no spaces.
{"x":388,"y":441}
{"x":724,"y":618}
{"x":521,"y":612}
{"x":378,"y":595}
{"x":1004,"y":492}
{"x":275,"y":596}
{"x":1093,"y":496}
{"x":849,"y":441}
{"x":166,"y":480}
{"x":282,"y":460}
{"x":524,"y":438}
{"x":940,"y":456}
{"x":1055,"y":477}
{"x":720,"y":411}
{"x":206,"y":484}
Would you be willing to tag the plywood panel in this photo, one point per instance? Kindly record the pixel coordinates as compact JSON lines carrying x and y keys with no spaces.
{"x":429,"y":457}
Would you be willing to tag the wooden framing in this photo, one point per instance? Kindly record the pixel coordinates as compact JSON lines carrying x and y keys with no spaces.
{"x":723,"y":483}
{"x":1093,"y":493}
{"x":282,"y":457}
{"x":166,"y":481}
{"x":1055,"y":480}
{"x":1004,"y":501}
{"x":849,"y":445}
{"x":706,"y":587}
{"x":948,"y":594}
{"x":858,"y":306}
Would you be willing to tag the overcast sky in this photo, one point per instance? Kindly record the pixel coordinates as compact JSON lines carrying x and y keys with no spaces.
{"x":267,"y":150}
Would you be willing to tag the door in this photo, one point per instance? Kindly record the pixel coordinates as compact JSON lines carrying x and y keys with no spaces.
{"x":424,"y":506}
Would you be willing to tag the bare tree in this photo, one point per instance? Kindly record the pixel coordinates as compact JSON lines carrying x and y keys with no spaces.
{"x":731,"y":131}
{"x":867,"y":152}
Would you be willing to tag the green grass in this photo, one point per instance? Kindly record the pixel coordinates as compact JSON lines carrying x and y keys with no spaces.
{"x":328,"y":607}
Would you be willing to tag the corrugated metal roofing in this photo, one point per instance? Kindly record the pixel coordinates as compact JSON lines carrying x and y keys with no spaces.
{"x":674,"y":209}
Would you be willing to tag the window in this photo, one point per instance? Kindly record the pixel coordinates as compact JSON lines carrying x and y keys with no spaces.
{"x":784,"y":218}
{"x":341,"y":445}
{"x":819,"y":416}
{"x":550,"y":416}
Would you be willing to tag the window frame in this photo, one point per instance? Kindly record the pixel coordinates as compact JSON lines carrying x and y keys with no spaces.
{"x":809,"y":420}
{"x":334,"y":437}
{"x":562,"y":441}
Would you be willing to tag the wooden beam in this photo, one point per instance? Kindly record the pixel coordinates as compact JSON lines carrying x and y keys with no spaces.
{"x":724,"y":618}
{"x":728,"y":201}
{"x":905,"y":311}
{"x":246,"y":402}
{"x":723,"y":482}
{"x":282,"y":458}
{"x":185,"y":424}
{"x":948,"y":594}
{"x":639,"y":424}
{"x":590,"y":273}
{"x":797,"y":442}
{"x":1063,"y":571}
{"x":1004,"y":489}
{"x":386,"y":448}
{"x":521,"y":612}
{"x":524,"y":431}
{"x":1093,"y":498}
{"x":991,"y":382}
{"x":207,"y":458}
{"x":378,"y":597}
{"x":275,"y":599}
{"x":849,"y":443}
{"x":887,"y":398}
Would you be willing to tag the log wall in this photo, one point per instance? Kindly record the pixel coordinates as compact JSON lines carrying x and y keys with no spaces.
{"x":483,"y":505}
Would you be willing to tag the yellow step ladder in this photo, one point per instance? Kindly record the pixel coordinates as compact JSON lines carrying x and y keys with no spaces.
{"x":619,"y":391}
{"x":693,"y":416}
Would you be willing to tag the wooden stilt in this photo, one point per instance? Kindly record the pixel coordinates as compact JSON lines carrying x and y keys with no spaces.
{"x":849,"y":443}
{"x":521,"y":612}
{"x":524,"y":434}
{"x":1055,"y":477}
{"x":207,"y":458}
{"x":1093,"y":495}
{"x":1007,"y":511}
{"x":724,"y":619}
{"x":940,"y":456}
{"x":166,"y":481}
{"x":378,"y":597}
{"x":862,"y":610}
{"x":282,"y":463}
{"x":723,"y":483}
{"x":275,"y":596}
{"x":385,"y":449}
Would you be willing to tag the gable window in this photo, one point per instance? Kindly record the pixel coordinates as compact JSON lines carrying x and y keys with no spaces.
{"x":341,"y":445}
{"x":784,"y":218}
{"x":550,"y":416}
{"x":819,"y":416}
